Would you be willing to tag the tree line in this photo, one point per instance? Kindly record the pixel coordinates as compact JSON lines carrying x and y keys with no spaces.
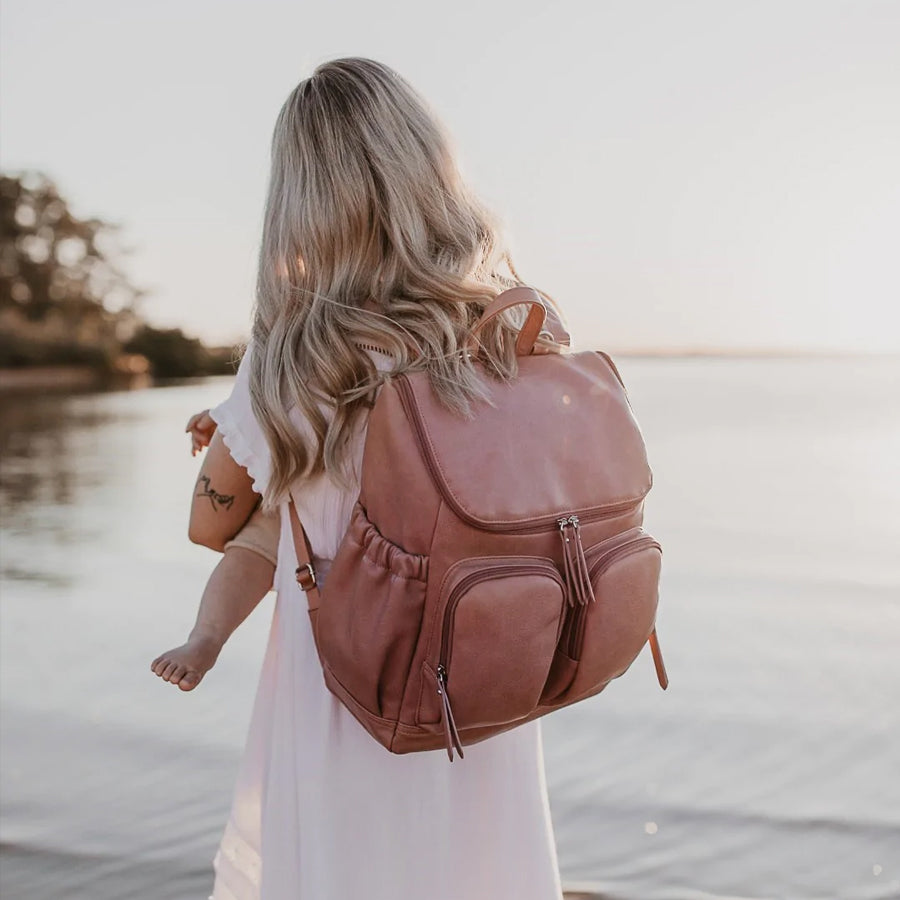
{"x":64,"y":299}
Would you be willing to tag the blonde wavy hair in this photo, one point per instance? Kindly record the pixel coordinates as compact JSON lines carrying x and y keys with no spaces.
{"x":370,"y":239}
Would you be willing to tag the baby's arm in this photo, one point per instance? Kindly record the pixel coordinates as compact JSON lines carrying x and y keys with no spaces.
{"x":237,"y":584}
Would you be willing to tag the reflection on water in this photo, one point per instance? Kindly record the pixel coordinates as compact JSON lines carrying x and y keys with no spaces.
{"x":54,"y":450}
{"x":37,"y":448}
{"x":768,"y":769}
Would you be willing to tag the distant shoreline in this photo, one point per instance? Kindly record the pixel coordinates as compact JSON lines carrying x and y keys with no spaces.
{"x":85,"y":378}
{"x":68,"y":378}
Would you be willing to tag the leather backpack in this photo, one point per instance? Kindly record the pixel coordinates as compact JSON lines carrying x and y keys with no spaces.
{"x":495,"y":568}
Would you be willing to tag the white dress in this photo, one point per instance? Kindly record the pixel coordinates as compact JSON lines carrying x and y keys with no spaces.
{"x":323,"y":812}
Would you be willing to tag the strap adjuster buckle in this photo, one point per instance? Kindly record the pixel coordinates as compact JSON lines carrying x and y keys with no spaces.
{"x":306,"y":576}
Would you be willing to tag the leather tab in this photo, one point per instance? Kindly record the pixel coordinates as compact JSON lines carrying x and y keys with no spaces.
{"x":554,"y":327}
{"x":661,"y":675}
{"x":531,"y":330}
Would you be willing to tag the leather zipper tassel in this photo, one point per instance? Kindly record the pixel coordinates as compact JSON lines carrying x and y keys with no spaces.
{"x":450,"y":732}
{"x":578,"y":579}
{"x":567,"y":562}
{"x":583,"y":573}
{"x":574,"y":566}
{"x":576,"y":570}
{"x":661,"y":675}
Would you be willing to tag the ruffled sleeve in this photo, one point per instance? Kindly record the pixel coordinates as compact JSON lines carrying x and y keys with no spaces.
{"x":241,"y":431}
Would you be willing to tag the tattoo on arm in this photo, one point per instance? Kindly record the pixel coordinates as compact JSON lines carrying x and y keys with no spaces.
{"x":217,"y":500}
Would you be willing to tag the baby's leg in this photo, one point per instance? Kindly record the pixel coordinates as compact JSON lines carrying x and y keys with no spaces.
{"x":240,"y":580}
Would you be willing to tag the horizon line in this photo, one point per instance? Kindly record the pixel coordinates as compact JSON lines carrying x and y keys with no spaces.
{"x":753,"y":352}
{"x":700,"y":351}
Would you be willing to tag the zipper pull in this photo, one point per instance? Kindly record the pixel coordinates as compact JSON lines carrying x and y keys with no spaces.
{"x":568,"y":574}
{"x":450,"y":732}
{"x":584,"y":575}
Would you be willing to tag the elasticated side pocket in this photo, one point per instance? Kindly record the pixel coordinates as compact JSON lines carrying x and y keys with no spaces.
{"x":370,"y":616}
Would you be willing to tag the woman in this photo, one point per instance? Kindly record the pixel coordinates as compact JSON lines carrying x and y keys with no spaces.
{"x":374,"y":258}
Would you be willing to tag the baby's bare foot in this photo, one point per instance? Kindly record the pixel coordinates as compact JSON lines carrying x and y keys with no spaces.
{"x":186,"y":665}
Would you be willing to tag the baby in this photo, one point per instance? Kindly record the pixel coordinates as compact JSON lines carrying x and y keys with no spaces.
{"x":241,"y":579}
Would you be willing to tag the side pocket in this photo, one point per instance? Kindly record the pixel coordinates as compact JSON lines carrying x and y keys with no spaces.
{"x":370,"y":616}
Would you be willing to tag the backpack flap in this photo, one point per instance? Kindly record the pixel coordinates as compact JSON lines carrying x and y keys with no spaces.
{"x":558,"y":439}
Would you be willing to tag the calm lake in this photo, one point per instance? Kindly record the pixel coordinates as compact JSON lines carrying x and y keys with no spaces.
{"x":769,"y":769}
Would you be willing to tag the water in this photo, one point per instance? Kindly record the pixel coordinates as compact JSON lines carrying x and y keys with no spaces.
{"x":769,"y":769}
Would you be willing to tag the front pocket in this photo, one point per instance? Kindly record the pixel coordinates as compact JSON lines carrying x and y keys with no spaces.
{"x":371,"y":615}
{"x":605,"y":636}
{"x":495,"y":637}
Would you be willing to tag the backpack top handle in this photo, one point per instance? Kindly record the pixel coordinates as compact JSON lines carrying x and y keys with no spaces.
{"x":530,"y":331}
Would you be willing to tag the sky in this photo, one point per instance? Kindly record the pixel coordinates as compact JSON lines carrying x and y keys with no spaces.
{"x":706,"y":174}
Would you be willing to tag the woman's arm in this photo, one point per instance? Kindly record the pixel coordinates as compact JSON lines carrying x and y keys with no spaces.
{"x":223,"y":498}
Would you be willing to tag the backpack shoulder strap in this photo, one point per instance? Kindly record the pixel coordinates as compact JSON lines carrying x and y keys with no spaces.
{"x":306,"y":573}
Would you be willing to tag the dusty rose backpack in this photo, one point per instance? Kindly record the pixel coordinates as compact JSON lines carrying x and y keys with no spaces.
{"x":495,"y":569}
